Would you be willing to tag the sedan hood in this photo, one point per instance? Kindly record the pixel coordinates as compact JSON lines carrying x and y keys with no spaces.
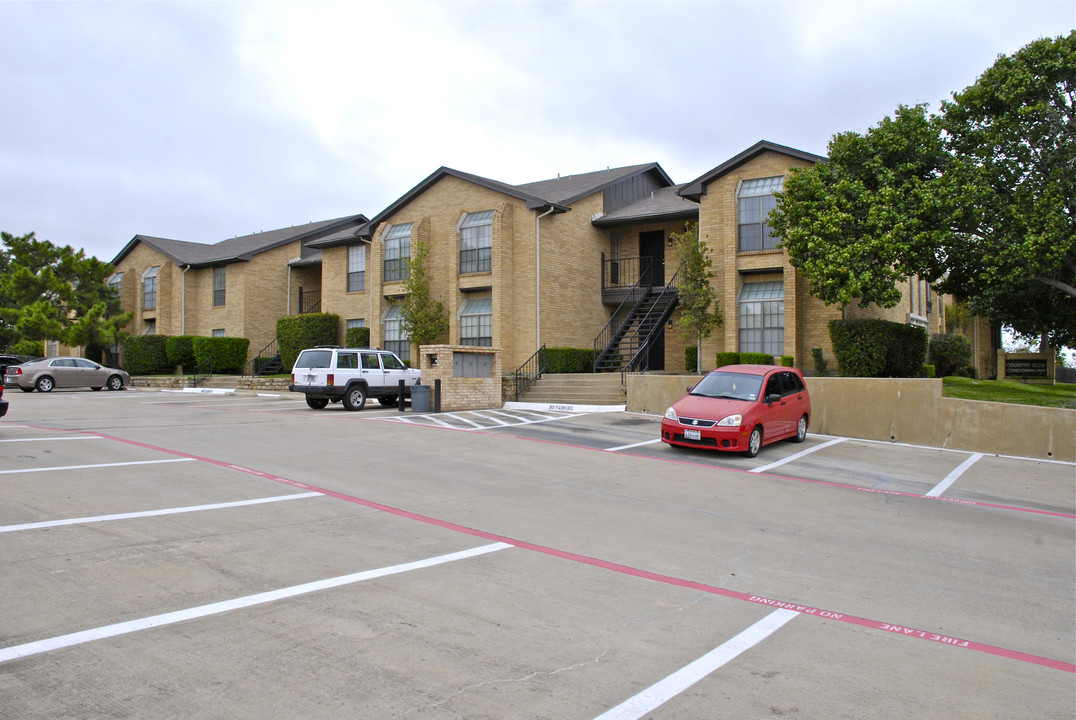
{"x":707,"y":408}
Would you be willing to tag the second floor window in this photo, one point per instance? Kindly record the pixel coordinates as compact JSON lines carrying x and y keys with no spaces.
{"x":356,"y":268}
{"x":397,"y":240}
{"x":754,"y":201}
{"x":149,"y":288}
{"x":219,"y":282}
{"x":476,"y":242}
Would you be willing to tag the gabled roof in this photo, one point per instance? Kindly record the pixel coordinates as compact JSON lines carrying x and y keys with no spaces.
{"x":238,"y":249}
{"x":697,"y":188}
{"x":664,"y":204}
{"x":557,"y":194}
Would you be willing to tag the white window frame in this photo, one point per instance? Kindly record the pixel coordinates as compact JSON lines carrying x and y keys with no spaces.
{"x":394,"y":334}
{"x":149,"y":287}
{"x":761,"y":317}
{"x":356,"y":268}
{"x":220,"y":285}
{"x":476,"y":322}
{"x":754,"y":202}
{"x":476,"y":242}
{"x":397,"y":246}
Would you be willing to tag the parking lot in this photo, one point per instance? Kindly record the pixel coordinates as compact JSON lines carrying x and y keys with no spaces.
{"x":177,"y":555}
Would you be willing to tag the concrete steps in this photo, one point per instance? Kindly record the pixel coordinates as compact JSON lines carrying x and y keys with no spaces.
{"x":577,"y":389}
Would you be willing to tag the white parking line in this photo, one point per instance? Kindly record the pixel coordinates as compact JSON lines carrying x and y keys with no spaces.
{"x":668,"y":688}
{"x":100,"y":465}
{"x":952,"y":477}
{"x":123,"y":628}
{"x":633,"y":445}
{"x":796,"y":456}
{"x":153,"y":513}
{"x":55,"y":438}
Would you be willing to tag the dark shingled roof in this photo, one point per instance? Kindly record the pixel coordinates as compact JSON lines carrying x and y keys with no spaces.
{"x":666,"y":204}
{"x":568,"y":189}
{"x":697,"y":187}
{"x":237,"y":249}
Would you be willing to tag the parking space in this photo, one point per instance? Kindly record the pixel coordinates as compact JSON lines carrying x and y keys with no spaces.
{"x":242,"y":556}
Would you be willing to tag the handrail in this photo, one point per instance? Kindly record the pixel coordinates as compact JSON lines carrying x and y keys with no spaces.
{"x":202,"y":371}
{"x":620,"y":318}
{"x":640,"y":360}
{"x":529,"y":372}
{"x":266,"y":353}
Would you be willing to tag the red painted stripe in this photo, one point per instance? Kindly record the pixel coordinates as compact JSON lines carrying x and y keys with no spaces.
{"x":627,"y":570}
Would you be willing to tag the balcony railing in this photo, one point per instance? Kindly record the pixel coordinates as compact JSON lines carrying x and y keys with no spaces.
{"x":623,"y":273}
{"x":309,"y":301}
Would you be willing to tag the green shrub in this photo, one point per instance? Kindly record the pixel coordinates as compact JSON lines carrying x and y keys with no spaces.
{"x":691,"y":358}
{"x":146,"y":355}
{"x":180,"y":351}
{"x":878,"y":348}
{"x":928,"y":371}
{"x":728,"y":358}
{"x":32,"y":348}
{"x":296,"y":332}
{"x":950,"y":353}
{"x":569,"y":360}
{"x":906,"y":350}
{"x":227,"y":353}
{"x":788,"y":361}
{"x":756,"y":358}
{"x":821,"y":366}
{"x":358,"y":337}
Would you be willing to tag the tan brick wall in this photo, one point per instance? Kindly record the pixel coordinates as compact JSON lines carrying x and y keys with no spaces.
{"x":436,"y":363}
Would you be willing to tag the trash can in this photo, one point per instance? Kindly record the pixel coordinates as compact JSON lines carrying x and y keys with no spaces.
{"x":420,"y":398}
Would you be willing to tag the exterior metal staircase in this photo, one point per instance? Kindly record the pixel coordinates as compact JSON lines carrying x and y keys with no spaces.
{"x":624,"y":343}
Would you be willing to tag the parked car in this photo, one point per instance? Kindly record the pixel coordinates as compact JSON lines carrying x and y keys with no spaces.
{"x":58,"y":372}
{"x":350,"y":375}
{"x":3,"y":402}
{"x":7,"y":360}
{"x":740,"y":408}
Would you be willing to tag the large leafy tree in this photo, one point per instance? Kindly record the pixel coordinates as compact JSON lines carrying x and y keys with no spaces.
{"x":49,"y":292}
{"x":1012,"y":183}
{"x":697,"y":300}
{"x":424,"y":318}
{"x":979,"y":200}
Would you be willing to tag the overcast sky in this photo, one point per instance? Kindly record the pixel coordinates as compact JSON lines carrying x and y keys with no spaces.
{"x":200,"y":121}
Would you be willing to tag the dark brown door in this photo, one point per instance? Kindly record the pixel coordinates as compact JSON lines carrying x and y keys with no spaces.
{"x":652,"y":245}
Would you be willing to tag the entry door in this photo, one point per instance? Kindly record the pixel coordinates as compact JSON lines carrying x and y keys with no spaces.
{"x":652,"y":245}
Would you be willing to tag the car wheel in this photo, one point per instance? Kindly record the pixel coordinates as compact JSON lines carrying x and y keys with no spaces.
{"x":115,"y":383}
{"x":355,"y":398}
{"x":45,"y":384}
{"x":801,"y":430}
{"x":387,"y":400}
{"x":754,"y":443}
{"x":317,"y":403}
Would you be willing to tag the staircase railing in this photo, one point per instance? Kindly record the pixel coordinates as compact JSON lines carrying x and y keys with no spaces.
{"x":608,"y":338}
{"x":202,"y":371}
{"x":655,"y":317}
{"x":529,"y":372}
{"x":266,"y":362}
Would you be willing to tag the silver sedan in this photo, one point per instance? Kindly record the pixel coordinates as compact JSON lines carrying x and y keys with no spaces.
{"x":59,"y":372}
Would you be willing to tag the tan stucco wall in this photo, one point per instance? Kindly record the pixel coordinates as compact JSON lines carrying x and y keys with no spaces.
{"x":904,"y":410}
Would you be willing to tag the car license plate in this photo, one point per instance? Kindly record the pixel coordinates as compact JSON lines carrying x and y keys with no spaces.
{"x":693,"y":435}
{"x":310,"y":379}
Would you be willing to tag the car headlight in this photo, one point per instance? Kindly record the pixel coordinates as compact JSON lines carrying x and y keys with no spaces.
{"x":731,"y":421}
{"x":670,"y":414}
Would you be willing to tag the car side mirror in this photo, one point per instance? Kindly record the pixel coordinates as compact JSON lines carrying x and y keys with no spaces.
{"x":690,"y":388}
{"x":772,"y":398}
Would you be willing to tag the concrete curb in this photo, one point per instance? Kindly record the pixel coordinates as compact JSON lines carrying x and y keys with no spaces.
{"x":564,"y":407}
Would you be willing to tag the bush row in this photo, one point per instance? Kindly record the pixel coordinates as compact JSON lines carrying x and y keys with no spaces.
{"x":162,"y":354}
{"x":878,"y":348}
{"x":295,"y":332}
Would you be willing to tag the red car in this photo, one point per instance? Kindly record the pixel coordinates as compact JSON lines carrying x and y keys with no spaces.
{"x":740,"y":408}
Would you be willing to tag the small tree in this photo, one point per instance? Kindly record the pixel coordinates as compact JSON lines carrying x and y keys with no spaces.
{"x":424,"y":319}
{"x":699,"y":312}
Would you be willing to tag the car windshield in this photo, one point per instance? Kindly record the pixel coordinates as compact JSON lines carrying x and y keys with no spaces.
{"x":730,"y":385}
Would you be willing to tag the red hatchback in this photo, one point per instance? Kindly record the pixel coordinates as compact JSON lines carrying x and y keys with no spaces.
{"x":740,"y":408}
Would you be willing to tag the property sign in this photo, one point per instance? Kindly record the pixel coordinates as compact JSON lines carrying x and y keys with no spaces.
{"x":1025,"y":369}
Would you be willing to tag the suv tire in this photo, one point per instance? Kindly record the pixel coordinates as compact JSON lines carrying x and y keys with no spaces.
{"x":355,"y":397}
{"x":317,"y":403}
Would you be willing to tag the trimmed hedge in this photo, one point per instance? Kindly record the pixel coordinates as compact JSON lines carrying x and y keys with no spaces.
{"x":950,"y":353}
{"x":229,"y":354}
{"x":146,"y":354}
{"x":728,"y":358}
{"x":821,"y":367}
{"x":878,"y":348}
{"x":691,"y":358}
{"x":180,"y":351}
{"x":296,"y":332}
{"x":358,"y":337}
{"x":748,"y":358}
{"x":788,"y":361}
{"x":569,"y":360}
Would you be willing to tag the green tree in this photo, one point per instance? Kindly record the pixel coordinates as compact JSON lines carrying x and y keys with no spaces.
{"x":1012,"y":185}
{"x":860,"y":224}
{"x":56,"y":293}
{"x":697,"y":300}
{"x":424,"y":319}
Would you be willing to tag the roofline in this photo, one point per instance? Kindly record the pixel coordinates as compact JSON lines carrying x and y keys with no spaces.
{"x":641,"y":171}
{"x":689,"y":214}
{"x":697,"y":187}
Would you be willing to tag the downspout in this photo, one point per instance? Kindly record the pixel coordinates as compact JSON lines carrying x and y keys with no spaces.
{"x":538,"y":278}
{"x":289,"y":292}
{"x":183,"y":300}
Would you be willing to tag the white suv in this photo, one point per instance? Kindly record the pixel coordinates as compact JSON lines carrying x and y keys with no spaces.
{"x":350,"y":375}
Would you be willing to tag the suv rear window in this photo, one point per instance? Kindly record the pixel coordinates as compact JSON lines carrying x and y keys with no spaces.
{"x":314,"y":359}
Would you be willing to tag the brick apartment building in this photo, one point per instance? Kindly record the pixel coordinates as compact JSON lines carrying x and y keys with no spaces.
{"x":516,"y":267}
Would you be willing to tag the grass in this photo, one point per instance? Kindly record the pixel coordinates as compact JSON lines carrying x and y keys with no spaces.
{"x":1061,"y":395}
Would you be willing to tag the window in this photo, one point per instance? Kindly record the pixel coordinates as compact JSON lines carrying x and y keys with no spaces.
{"x":369,"y":361}
{"x":397,"y":241}
{"x":755,"y":201}
{"x":218,"y":332}
{"x":116,"y":282}
{"x":347,"y":361}
{"x":359,"y":322}
{"x":476,"y":322}
{"x":395,"y":336}
{"x":762,"y":317}
{"x":219,"y":281}
{"x":476,"y":242}
{"x":149,"y":288}
{"x":356,"y":268}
